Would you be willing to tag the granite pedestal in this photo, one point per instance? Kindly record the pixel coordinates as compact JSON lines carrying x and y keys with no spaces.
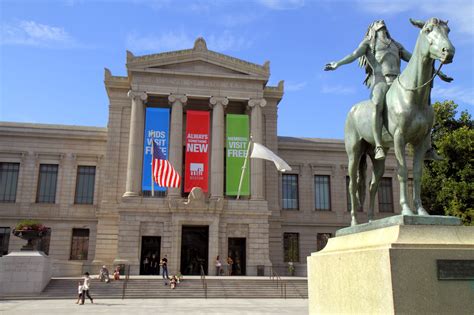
{"x":392,"y":266}
{"x":24,"y":272}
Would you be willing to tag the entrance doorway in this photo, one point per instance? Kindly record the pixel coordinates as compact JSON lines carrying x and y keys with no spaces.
{"x":194,"y":249}
{"x":150,"y":255}
{"x":237,"y":251}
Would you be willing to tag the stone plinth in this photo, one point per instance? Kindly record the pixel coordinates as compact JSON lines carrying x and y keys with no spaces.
{"x":392,"y":270}
{"x":24,"y":272}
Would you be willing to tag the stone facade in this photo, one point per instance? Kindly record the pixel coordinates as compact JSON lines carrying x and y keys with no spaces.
{"x":121,"y":215}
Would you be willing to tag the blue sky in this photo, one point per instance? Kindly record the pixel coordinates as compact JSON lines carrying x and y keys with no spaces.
{"x":53,"y":53}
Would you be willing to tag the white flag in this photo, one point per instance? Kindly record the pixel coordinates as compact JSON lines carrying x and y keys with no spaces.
{"x":261,"y":152}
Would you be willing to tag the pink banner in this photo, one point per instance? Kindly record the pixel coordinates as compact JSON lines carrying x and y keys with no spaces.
{"x":197,"y":148}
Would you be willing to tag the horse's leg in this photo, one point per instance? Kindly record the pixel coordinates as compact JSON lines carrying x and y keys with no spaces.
{"x":418,"y":158}
{"x":361,"y":179}
{"x":377,"y":173}
{"x":352,"y":168}
{"x":399,"y":146}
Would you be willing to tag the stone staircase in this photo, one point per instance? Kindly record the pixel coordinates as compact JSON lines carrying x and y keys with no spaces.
{"x":154,"y":288}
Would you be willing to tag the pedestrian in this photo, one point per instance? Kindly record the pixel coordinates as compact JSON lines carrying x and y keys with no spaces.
{"x":164,"y":266}
{"x":117,"y":273}
{"x":104,"y":274}
{"x":79,"y":292}
{"x":85,"y":288}
{"x":230,"y":262}
{"x":218,"y":266}
{"x":154,"y":269}
{"x":173,"y":282}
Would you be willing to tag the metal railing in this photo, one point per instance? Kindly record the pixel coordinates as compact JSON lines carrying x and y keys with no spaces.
{"x":125,"y":282}
{"x":204,"y":281}
{"x":280,"y":284}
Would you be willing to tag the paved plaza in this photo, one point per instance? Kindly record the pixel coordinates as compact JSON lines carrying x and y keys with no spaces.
{"x":158,"y":306}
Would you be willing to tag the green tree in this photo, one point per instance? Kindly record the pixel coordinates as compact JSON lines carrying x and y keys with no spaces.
{"x":448,"y":185}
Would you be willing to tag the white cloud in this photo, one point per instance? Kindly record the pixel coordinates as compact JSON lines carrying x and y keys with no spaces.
{"x":456,"y":93}
{"x":282,"y":4}
{"x":460,"y":12}
{"x":180,"y":40}
{"x":295,"y":86}
{"x":337,"y":89}
{"x":31,"y":33}
{"x":164,"y":42}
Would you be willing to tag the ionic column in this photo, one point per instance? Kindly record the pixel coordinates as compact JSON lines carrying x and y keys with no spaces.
{"x":256,"y":130}
{"x":218,"y":105}
{"x":177,"y":101}
{"x":135,"y":145}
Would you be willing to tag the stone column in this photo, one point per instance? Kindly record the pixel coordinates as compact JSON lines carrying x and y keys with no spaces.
{"x":177,"y":101}
{"x":218,"y":105}
{"x":135,"y":145}
{"x":256,"y":131}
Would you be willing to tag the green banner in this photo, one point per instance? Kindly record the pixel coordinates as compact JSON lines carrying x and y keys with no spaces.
{"x":237,"y":141}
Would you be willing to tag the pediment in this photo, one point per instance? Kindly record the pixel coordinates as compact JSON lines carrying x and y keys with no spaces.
{"x":198,"y":60}
{"x":198,"y":67}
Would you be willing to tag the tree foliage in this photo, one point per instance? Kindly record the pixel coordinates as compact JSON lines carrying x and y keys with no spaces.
{"x":448,"y":185}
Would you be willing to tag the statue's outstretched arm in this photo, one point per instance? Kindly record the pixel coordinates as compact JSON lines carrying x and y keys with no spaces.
{"x":404,"y":54}
{"x":359,"y":52}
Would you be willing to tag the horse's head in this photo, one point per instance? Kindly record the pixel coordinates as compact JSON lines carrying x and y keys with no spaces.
{"x":434,"y":39}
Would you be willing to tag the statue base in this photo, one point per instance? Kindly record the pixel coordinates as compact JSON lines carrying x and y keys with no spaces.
{"x":25,"y":272}
{"x":411,"y":267}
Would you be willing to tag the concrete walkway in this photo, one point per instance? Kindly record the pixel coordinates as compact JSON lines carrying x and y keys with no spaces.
{"x":158,"y":306}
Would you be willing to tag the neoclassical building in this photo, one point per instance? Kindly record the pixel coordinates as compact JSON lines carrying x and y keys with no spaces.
{"x":90,"y":184}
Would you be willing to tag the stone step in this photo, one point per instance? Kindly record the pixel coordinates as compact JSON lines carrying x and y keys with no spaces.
{"x":189,"y":288}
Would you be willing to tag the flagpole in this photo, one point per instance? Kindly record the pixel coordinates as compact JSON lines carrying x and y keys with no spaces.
{"x":152,"y":181}
{"x":243,"y":167}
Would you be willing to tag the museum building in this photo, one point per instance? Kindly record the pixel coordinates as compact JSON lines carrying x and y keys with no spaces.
{"x":93,"y":186}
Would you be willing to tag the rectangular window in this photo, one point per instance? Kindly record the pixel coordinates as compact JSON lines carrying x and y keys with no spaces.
{"x":47,"y":180}
{"x":322,"y":193}
{"x":85,"y":183}
{"x":385,"y":195}
{"x":4,"y":240}
{"x":8,"y":181}
{"x":291,"y":247}
{"x":290,"y":191}
{"x":322,"y":240}
{"x":79,"y":244}
{"x":348,"y":196}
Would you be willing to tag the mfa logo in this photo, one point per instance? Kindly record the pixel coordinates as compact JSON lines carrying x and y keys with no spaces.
{"x":197,"y":169}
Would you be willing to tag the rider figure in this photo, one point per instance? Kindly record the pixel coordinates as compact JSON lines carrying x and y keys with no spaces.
{"x":380,"y":55}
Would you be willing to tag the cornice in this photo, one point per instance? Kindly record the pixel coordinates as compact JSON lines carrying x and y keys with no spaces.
{"x":275,"y":91}
{"x":30,"y":130}
{"x":310,"y":144}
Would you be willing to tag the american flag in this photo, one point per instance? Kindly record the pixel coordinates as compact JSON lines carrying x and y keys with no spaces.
{"x":163,"y":173}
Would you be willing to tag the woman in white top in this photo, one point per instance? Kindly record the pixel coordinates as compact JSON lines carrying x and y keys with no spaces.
{"x":85,"y":288}
{"x":218,"y":266}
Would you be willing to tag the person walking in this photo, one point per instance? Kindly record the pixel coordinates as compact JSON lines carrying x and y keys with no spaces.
{"x":164,"y":266}
{"x":218,"y":266}
{"x":85,"y":287}
{"x":230,"y":263}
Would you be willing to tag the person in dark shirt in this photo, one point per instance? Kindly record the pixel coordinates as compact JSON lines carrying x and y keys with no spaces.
{"x":164,"y":266}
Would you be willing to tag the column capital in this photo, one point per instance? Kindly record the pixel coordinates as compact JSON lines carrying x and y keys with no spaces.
{"x":257,"y":102}
{"x":214,"y":100}
{"x":173,"y":98}
{"x":137,"y":94}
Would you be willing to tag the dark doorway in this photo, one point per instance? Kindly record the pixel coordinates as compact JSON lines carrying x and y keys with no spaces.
{"x":150,"y":256}
{"x":237,"y":251}
{"x":194,"y":249}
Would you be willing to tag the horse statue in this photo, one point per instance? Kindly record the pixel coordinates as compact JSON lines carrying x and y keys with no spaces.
{"x":407,"y":118}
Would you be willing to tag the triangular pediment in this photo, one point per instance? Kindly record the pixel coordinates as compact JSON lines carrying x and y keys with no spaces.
{"x":198,"y":66}
{"x":198,"y":60}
